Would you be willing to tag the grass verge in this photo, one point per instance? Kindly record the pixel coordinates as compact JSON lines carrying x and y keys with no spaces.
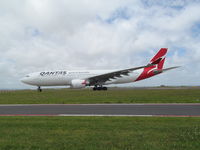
{"x":99,"y":133}
{"x":68,"y":96}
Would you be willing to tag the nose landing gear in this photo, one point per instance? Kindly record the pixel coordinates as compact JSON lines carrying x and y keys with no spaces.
{"x":39,"y":89}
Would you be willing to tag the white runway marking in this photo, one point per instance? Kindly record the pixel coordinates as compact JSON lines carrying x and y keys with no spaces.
{"x":99,"y":115}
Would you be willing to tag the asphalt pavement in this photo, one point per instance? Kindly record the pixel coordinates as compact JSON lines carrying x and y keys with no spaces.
{"x":179,"y":110}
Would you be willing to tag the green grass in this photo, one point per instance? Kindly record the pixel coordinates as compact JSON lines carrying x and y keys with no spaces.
{"x":99,"y":133}
{"x":68,"y":96}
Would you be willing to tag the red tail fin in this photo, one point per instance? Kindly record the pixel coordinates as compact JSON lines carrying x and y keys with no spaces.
{"x":155,"y":66}
{"x":159,"y":58}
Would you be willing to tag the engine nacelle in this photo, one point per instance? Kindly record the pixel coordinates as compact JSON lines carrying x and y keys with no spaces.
{"x":78,"y":84}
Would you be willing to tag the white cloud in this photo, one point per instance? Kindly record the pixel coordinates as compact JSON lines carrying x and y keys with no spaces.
{"x":39,"y":35}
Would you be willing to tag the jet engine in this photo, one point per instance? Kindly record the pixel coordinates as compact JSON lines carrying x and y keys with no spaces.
{"x":78,"y":83}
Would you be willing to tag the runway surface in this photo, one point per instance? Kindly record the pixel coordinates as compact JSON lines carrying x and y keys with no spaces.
{"x":179,"y":110}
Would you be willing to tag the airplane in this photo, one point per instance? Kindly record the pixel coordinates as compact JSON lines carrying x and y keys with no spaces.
{"x":98,"y":79}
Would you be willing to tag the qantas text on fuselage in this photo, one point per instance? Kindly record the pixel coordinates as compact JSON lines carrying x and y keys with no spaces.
{"x":98,"y":78}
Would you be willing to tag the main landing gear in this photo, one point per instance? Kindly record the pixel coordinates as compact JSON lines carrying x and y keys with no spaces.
{"x":99,"y":88}
{"x":39,"y":89}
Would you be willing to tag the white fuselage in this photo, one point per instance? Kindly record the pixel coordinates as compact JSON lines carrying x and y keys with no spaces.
{"x":64,"y":78}
{"x":98,"y":78}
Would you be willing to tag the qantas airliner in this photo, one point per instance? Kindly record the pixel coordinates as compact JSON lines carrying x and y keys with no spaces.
{"x":98,"y":78}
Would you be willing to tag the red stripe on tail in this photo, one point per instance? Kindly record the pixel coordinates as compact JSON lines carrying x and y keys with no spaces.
{"x":159,"y":56}
{"x":155,"y":65}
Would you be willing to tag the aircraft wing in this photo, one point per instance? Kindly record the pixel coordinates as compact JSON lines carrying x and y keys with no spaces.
{"x":100,"y":79}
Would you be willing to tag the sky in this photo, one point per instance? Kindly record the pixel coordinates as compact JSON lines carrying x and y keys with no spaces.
{"x":38,"y":35}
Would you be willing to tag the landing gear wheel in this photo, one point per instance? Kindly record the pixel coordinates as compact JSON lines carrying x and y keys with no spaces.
{"x":99,"y":88}
{"x":39,"y":89}
{"x":104,"y":88}
{"x":94,"y":88}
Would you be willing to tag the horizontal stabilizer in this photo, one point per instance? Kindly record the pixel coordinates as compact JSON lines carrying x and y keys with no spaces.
{"x":163,"y":70}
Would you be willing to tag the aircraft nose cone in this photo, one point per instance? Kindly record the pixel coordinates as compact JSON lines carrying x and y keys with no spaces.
{"x":24,"y":80}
